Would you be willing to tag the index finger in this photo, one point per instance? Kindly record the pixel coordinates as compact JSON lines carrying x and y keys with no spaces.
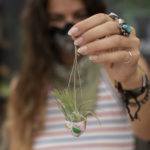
{"x":87,"y":24}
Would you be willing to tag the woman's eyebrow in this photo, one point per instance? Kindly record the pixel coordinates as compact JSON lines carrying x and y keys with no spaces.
{"x":82,"y":10}
{"x":55,"y":14}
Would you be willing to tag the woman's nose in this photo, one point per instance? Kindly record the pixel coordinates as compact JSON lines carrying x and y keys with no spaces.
{"x":70,"y":19}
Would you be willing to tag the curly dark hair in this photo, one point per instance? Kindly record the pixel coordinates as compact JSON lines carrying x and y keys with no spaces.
{"x":29,"y":97}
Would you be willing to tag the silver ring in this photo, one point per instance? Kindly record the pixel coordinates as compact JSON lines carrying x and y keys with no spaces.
{"x":125,"y":29}
{"x":113,"y":16}
{"x":130,"y":57}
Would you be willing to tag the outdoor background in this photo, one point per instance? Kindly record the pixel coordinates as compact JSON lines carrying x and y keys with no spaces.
{"x":135,"y":12}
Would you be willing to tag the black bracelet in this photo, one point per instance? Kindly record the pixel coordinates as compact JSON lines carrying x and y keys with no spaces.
{"x":129,"y":95}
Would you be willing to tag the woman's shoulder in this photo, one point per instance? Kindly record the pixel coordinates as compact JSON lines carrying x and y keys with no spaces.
{"x":13,"y":86}
{"x":14,"y":83}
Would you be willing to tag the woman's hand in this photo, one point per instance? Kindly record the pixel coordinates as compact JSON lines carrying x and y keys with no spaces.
{"x":99,"y":36}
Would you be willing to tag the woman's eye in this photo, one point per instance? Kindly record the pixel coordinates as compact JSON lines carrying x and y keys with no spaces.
{"x":56,"y":18}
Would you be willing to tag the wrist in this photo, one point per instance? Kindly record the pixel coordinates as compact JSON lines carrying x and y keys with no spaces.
{"x":137,"y":96}
{"x":133,"y":81}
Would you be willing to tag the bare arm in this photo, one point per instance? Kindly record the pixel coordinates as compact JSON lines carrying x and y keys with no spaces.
{"x":99,"y":36}
{"x":10,"y":111}
{"x":141,"y":127}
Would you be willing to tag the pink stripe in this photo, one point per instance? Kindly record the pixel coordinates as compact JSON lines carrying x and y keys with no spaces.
{"x":96,"y":145}
{"x":98,"y":130}
{"x":105,"y":98}
{"x":99,"y":98}
{"x":52,"y":104}
{"x":110,"y":113}
{"x":99,"y":114}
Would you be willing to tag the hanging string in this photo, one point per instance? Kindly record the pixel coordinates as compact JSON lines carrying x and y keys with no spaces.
{"x":78,"y":71}
{"x":75,"y":73}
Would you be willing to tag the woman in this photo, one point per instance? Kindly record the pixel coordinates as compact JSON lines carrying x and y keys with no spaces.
{"x":47,"y":64}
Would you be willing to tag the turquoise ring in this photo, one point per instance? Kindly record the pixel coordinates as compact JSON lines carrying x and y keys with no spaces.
{"x":124,"y":28}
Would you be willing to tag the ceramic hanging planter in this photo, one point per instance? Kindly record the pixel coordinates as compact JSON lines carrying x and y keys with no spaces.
{"x":76,"y":128}
{"x":75,"y":115}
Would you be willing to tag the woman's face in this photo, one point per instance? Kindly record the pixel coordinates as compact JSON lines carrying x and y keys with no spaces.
{"x":61,"y":14}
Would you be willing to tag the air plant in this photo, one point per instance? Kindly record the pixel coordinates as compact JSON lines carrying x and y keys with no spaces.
{"x":75,"y":112}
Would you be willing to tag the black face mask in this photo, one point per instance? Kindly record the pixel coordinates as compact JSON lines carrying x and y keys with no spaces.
{"x":61,"y":41}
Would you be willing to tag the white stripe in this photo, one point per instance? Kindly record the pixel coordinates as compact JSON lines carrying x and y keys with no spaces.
{"x":83,"y":139}
{"x":110,"y":106}
{"x":86,"y":134}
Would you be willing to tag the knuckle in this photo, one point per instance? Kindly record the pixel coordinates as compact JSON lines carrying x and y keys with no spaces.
{"x":138,"y":55}
{"x":80,"y":26}
{"x":117,"y":40}
{"x":133,"y":30}
{"x":88,"y":36}
{"x":101,"y":16}
{"x":136,"y":42}
{"x":111,"y":25}
{"x":85,"y":37}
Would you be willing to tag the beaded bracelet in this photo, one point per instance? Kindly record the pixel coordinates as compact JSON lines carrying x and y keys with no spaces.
{"x":128,"y":95}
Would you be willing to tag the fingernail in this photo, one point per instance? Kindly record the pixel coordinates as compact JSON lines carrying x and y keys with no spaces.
{"x":72,"y":31}
{"x":78,"y":41}
{"x":83,"y":49}
{"x":93,"y":57}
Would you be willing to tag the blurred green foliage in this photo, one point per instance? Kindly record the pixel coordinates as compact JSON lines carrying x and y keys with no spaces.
{"x":134,"y":7}
{"x":130,"y":10}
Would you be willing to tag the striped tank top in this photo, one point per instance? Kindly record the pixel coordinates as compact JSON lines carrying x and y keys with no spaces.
{"x":114,"y":133}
